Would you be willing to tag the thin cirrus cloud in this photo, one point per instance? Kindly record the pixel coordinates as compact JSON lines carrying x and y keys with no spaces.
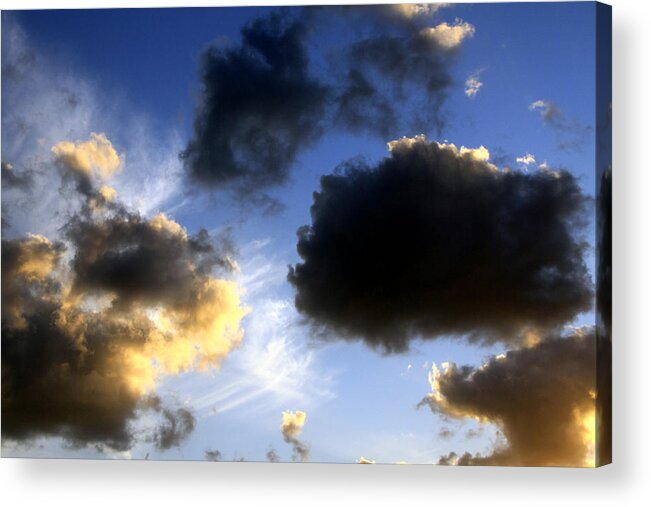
{"x":51,"y":104}
{"x":436,"y":240}
{"x":274,"y":366}
{"x":547,"y":417}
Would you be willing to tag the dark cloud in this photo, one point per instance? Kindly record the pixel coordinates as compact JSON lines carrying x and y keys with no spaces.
{"x":59,"y":376}
{"x":145,"y":261}
{"x":573,"y":135}
{"x":473,"y":433}
{"x":392,"y":66}
{"x":177,"y":425}
{"x":272,"y":456}
{"x":604,"y":317}
{"x":604,"y":249}
{"x":452,"y":458}
{"x":83,"y":344}
{"x":10,"y":179}
{"x":360,"y":107}
{"x":436,"y":241}
{"x":259,"y":108}
{"x":27,"y":264}
{"x":385,"y":76}
{"x":541,"y":398}
{"x":213,"y":455}
{"x":22,"y":182}
{"x":446,"y":433}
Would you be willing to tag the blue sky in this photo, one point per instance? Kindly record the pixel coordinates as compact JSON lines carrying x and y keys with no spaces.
{"x":139,"y":71}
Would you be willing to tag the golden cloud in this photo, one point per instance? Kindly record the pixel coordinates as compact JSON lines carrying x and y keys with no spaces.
{"x":95,"y":157}
{"x":84,"y":348}
{"x":541,"y":398}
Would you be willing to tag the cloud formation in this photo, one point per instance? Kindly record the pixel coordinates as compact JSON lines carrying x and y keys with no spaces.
{"x":259,"y":108}
{"x":527,"y":159}
{"x":89,"y":163}
{"x":213,"y":455}
{"x":10,"y":179}
{"x":272,"y":456}
{"x":436,"y":240}
{"x":473,"y":84}
{"x":177,"y":425}
{"x":385,"y":72}
{"x":49,"y":104}
{"x":574,"y":134}
{"x":541,"y":398}
{"x":85,"y":344}
{"x":291,"y":428}
{"x":411,"y":11}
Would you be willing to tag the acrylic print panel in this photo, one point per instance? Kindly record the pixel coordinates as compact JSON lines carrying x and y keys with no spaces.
{"x":346,"y":234}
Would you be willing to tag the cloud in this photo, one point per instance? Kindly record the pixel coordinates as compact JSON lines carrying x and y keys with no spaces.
{"x":14,"y":183}
{"x":397,"y":80}
{"x":452,"y":458}
{"x":604,"y":316}
{"x":176,"y":426}
{"x":446,"y":433}
{"x":473,"y":84}
{"x":27,"y":264}
{"x":276,"y":366}
{"x":541,"y":398}
{"x":575,"y":134}
{"x":272,"y":456}
{"x":438,"y":241}
{"x":50,"y":105}
{"x":10,"y":179}
{"x":448,"y":36}
{"x":212,"y":455}
{"x":85,"y":344}
{"x":91,"y":160}
{"x":527,"y":159}
{"x":291,"y":428}
{"x":604,"y":247}
{"x":410,"y":11}
{"x":247,"y":138}
{"x":259,"y":108}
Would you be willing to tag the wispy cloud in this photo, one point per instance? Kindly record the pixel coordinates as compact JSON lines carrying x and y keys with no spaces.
{"x":52,"y":103}
{"x":275,"y":364}
{"x":572,"y":133}
{"x":473,"y":84}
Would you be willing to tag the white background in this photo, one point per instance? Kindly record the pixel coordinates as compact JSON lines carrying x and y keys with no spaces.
{"x":626,"y":482}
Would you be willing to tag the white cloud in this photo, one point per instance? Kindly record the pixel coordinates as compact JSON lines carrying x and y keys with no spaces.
{"x":473,"y":84}
{"x":274,"y":367}
{"x":410,"y":11}
{"x":448,"y":36}
{"x":526,"y":159}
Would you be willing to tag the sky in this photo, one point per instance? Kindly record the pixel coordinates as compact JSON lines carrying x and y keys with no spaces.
{"x":300,"y":234}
